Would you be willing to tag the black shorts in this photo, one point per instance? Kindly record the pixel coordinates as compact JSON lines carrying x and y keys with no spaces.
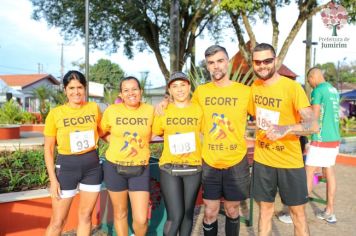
{"x":232,"y":183}
{"x":291,"y":184}
{"x":83,"y":169}
{"x":116,"y":182}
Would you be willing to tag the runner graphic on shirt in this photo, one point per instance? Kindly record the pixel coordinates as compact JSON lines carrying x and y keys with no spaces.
{"x":131,"y":144}
{"x":221,"y":125}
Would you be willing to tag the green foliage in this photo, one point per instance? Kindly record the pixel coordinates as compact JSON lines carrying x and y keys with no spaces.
{"x":238,"y":76}
{"x":21,"y":170}
{"x":350,"y":7}
{"x":198,"y":76}
{"x":348,"y":126}
{"x":103,"y":146}
{"x":156,"y":150}
{"x":28,"y":118}
{"x":44,"y":94}
{"x":58,"y":97}
{"x":10,"y":113}
{"x":107,"y":73}
{"x":110,"y":97}
{"x":143,"y":25}
{"x":339,"y":72}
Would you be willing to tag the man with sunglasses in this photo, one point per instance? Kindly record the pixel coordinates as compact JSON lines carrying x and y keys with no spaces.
{"x":282,"y":113}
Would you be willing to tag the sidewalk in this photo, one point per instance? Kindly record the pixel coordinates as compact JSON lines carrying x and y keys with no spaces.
{"x":345,"y":204}
{"x":345,"y":210}
{"x":28,"y":140}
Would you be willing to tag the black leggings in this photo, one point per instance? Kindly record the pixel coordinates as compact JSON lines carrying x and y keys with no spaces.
{"x":179,"y":193}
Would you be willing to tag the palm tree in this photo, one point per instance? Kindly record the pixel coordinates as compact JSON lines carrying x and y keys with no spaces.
{"x":43,"y":94}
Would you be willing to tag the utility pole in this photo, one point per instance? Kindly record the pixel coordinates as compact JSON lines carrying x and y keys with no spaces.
{"x":174,"y":36}
{"x":87,"y":47}
{"x":308,"y":46}
{"x":39,"y":68}
{"x":62,"y":62}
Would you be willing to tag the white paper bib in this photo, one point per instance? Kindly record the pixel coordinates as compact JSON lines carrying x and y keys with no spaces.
{"x":81,"y":140}
{"x":181,"y":143}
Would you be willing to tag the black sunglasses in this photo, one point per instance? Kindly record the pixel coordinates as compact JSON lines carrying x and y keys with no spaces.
{"x":264,"y":62}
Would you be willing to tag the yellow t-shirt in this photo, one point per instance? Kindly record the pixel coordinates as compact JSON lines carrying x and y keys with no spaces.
{"x":278,"y":103}
{"x":130,"y":134}
{"x":224,"y":122}
{"x":65,"y":122}
{"x":182,"y":121}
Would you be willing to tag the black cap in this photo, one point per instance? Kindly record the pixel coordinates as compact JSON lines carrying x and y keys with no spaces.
{"x":178,"y":76}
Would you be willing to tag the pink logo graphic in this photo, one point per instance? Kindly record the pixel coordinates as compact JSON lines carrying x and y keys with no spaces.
{"x":334,"y":17}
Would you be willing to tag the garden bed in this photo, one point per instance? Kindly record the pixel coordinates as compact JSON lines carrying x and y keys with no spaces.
{"x":29,"y":213}
{"x":9,"y":132}
{"x":32,"y":128}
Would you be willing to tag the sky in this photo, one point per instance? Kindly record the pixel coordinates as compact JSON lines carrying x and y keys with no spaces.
{"x":27,"y":45}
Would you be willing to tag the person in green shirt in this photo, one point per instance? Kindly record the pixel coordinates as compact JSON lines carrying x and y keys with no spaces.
{"x":324,"y":145}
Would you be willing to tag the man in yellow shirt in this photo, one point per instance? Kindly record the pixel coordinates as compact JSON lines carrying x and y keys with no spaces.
{"x":282,"y":113}
{"x":225,"y":167}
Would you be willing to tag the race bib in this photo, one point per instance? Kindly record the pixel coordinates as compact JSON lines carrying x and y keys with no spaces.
{"x":81,"y":140}
{"x":181,"y":143}
{"x":265,"y":116}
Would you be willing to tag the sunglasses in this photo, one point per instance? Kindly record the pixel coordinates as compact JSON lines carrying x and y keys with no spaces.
{"x":264,"y":62}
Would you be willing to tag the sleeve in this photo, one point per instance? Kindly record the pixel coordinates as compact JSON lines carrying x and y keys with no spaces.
{"x":105,"y":122}
{"x":301,"y":100}
{"x":157,"y":128}
{"x":316,"y":97}
{"x":50,"y":129}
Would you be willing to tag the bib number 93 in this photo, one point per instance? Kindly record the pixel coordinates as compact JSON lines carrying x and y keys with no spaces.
{"x":82,"y":140}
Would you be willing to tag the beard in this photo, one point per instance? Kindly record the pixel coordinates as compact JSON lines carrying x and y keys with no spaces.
{"x":267,"y":76}
{"x":217,"y":75}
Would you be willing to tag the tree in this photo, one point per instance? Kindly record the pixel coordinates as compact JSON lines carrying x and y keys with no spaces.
{"x":107,"y":73}
{"x":339,"y":72}
{"x":244,"y":13}
{"x":43,"y":94}
{"x":141,"y":24}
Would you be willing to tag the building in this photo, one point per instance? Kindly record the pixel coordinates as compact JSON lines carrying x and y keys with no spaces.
{"x":239,"y":61}
{"x":26,"y":83}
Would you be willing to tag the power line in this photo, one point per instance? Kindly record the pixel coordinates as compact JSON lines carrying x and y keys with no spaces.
{"x":17,"y":68}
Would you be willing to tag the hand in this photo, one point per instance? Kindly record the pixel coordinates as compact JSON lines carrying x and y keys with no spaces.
{"x":275,"y":132}
{"x":55,"y":189}
{"x":159,"y":108}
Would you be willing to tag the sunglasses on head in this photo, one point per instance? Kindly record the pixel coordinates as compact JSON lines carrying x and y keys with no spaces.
{"x":264,"y":62}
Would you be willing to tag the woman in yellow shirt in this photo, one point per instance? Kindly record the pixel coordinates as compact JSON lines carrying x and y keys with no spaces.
{"x":73,"y":128}
{"x":126,"y":171}
{"x":180,"y":163}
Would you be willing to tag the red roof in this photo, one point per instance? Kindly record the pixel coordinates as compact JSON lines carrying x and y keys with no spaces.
{"x":238,"y":59}
{"x":27,"y":80}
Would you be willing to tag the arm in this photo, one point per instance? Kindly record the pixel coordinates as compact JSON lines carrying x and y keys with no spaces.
{"x":162,"y":105}
{"x":308,"y":125}
{"x":55,"y":189}
{"x":316,"y":111}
